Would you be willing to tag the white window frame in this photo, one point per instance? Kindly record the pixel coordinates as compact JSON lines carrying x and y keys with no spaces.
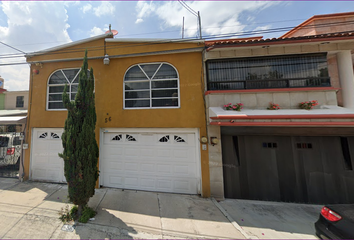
{"x":150,"y":98}
{"x":55,"y":85}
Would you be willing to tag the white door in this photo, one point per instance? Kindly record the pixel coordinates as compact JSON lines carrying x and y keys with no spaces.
{"x":45,"y":162}
{"x":165,"y":162}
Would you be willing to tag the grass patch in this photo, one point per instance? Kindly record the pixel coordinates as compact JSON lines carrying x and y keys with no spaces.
{"x":66,"y":215}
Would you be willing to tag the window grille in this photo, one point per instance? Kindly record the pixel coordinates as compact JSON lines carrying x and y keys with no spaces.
{"x":290,"y":71}
{"x":153,"y":85}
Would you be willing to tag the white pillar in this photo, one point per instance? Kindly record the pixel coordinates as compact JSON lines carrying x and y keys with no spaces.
{"x":346,"y":76}
{"x":215,"y":164}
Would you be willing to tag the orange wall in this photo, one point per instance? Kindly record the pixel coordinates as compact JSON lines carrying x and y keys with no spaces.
{"x":109,"y":96}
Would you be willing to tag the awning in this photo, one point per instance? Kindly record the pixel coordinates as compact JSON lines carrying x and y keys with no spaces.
{"x":13,"y":112}
{"x":13,"y":120}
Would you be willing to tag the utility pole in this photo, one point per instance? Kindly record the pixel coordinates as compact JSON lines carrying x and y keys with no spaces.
{"x":183,"y":28}
{"x":200,"y":26}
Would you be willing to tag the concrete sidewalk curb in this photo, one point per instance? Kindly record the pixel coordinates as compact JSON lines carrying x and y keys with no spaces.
{"x":232,"y":221}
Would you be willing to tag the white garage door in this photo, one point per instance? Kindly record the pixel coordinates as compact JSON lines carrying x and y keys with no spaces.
{"x":45,"y":162}
{"x":166,"y":162}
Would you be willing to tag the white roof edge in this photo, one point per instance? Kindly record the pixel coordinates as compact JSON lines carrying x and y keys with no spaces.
{"x":165,"y":40}
{"x":16,"y":91}
{"x":12,"y":112}
{"x":69,"y":44}
{"x":12,"y":117}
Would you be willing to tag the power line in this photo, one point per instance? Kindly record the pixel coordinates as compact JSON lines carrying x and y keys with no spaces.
{"x":204,"y":28}
{"x":195,"y":12}
{"x":217,"y":36}
{"x":185,"y":5}
{"x":245,"y":33}
{"x":290,"y":20}
{"x":13,"y":47}
{"x":149,"y":33}
{"x":188,"y":8}
{"x":9,"y":64}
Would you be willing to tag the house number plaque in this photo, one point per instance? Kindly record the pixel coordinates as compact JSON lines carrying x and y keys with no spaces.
{"x":107,"y":119}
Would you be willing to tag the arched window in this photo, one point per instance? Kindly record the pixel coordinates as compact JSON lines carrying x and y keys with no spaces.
{"x":56,"y":84}
{"x":151,"y":85}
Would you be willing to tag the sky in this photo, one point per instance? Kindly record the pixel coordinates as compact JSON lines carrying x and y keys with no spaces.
{"x":32,"y":26}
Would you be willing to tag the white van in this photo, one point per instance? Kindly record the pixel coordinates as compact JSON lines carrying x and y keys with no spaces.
{"x":10,"y":149}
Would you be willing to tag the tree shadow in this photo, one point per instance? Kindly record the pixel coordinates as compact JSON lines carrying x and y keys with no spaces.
{"x":40,"y":204}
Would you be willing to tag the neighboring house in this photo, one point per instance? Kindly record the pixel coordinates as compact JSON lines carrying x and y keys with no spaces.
{"x":323,"y":24}
{"x":15,"y":112}
{"x":16,"y":100}
{"x":290,"y":154}
{"x":13,"y":109}
{"x":150,"y":112}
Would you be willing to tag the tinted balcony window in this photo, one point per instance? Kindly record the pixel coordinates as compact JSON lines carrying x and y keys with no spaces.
{"x":291,"y":71}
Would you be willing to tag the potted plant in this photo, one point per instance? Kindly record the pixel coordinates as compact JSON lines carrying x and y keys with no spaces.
{"x":308,"y":105}
{"x":273,"y":106}
{"x":235,"y":107}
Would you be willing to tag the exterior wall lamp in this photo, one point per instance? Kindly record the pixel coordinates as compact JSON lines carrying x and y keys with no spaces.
{"x":106,"y":60}
{"x":203,"y":139}
{"x":214,"y":140}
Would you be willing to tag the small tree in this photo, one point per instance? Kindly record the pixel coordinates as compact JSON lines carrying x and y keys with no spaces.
{"x":80,"y":153}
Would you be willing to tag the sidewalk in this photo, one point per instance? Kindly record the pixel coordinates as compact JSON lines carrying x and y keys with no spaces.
{"x":29,"y":210}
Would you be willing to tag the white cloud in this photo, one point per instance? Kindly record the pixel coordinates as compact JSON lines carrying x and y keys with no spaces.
{"x":4,"y":31}
{"x":96,"y":31}
{"x":144,"y":9}
{"x":217,"y":17}
{"x":31,"y":26}
{"x":262,"y":28}
{"x":20,"y":82}
{"x":139,"y":20}
{"x":106,"y":8}
{"x":87,"y":7}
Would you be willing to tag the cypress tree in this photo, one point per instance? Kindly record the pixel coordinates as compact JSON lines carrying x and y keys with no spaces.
{"x":80,"y":153}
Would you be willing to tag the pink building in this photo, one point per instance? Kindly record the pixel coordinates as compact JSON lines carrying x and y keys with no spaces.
{"x":290,"y":154}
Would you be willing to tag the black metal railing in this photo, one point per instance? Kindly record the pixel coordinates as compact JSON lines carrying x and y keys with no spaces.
{"x":270,"y":83}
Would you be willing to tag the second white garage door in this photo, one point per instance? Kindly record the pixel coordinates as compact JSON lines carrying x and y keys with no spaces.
{"x":146,"y":160}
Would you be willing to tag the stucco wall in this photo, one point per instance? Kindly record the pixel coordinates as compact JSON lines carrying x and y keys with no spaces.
{"x":10,"y":99}
{"x":109,"y":95}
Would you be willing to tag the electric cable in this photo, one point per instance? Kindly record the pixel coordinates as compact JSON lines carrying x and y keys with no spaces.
{"x":188,"y":8}
{"x":217,"y":36}
{"x":12,"y":47}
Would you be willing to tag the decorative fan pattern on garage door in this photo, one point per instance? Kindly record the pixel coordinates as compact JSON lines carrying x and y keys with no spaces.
{"x":117,"y":137}
{"x":130,"y":138}
{"x":165,"y":138}
{"x":179,"y":139}
{"x":43,"y":135}
{"x":54,"y":136}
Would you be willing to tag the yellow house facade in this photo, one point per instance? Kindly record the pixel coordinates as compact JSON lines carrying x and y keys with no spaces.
{"x":150,"y":113}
